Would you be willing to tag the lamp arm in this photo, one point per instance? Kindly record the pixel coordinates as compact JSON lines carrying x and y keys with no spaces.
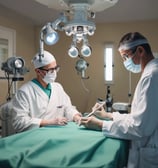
{"x":41,"y":49}
{"x":74,"y":40}
{"x":85,"y":39}
{"x":83,"y":75}
{"x":62,"y":19}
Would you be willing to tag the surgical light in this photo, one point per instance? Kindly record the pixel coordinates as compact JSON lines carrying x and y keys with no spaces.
{"x":13,"y":65}
{"x":19,"y":63}
{"x":50,"y":35}
{"x":75,"y":23}
{"x":86,"y":50}
{"x":75,"y":20}
{"x":73,"y":51}
{"x":81,"y":66}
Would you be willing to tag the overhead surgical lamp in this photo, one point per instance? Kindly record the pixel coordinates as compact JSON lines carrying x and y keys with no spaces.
{"x":81,"y":66}
{"x":50,"y":35}
{"x":79,"y":28}
{"x":73,"y":51}
{"x":86,"y":50}
{"x":74,"y":21}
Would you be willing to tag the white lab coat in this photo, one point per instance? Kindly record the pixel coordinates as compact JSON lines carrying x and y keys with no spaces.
{"x":31,"y":105}
{"x":141,"y":125}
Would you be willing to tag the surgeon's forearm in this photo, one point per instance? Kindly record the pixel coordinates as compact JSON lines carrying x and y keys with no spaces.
{"x":55,"y":121}
{"x":109,"y":116}
{"x":44,"y":123}
{"x":48,"y":122}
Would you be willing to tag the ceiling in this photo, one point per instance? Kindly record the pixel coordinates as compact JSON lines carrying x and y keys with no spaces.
{"x":123,"y":11}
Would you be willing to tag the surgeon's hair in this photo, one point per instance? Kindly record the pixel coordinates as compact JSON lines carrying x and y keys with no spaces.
{"x":133,"y":36}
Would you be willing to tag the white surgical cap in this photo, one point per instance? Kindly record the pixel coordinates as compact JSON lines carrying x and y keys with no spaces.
{"x":46,"y":59}
{"x":129,"y":45}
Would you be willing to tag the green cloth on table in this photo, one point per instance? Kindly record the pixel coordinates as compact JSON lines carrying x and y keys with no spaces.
{"x":67,"y":146}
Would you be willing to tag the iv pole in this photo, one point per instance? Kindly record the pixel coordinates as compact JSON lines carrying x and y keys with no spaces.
{"x":130,"y":89}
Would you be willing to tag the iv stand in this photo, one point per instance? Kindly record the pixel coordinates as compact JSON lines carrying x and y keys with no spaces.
{"x":130,"y":89}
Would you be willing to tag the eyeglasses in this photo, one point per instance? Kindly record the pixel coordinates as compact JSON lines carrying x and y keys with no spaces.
{"x":51,"y":70}
{"x":126,"y":56}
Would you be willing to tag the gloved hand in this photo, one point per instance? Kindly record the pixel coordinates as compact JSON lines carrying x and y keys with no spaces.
{"x":54,"y":121}
{"x":77,"y":118}
{"x":59,"y":121}
{"x":101,"y":113}
{"x":91,"y":123}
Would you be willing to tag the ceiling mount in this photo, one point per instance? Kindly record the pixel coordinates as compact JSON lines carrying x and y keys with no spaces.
{"x":94,"y":5}
{"x":74,"y":21}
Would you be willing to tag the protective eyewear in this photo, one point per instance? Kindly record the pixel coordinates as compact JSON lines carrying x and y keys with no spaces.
{"x":126,"y":56}
{"x":51,"y":70}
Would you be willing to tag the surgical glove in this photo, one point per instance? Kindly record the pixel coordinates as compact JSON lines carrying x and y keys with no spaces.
{"x":77,"y":118}
{"x":101,"y":113}
{"x":55,"y":121}
{"x":91,"y":123}
{"x":60,"y":121}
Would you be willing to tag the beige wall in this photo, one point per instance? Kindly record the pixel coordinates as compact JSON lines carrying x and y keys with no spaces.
{"x":25,"y":43}
{"x":27,"y":40}
{"x":111,"y":32}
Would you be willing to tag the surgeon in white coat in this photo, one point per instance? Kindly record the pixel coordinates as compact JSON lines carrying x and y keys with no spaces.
{"x":141,"y":124}
{"x":42,"y":101}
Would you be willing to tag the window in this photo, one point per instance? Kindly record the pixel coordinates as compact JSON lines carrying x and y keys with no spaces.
{"x":7,"y":49}
{"x":7,"y":44}
{"x":108,"y":63}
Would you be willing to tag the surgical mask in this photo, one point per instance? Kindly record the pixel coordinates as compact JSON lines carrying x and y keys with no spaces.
{"x":131,"y":66}
{"x":50,"y":77}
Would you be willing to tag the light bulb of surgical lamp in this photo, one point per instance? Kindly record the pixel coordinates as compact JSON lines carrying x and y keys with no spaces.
{"x":73,"y":52}
{"x":18,"y":63}
{"x":81,"y":65}
{"x":51,"y":38}
{"x":86,"y":50}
